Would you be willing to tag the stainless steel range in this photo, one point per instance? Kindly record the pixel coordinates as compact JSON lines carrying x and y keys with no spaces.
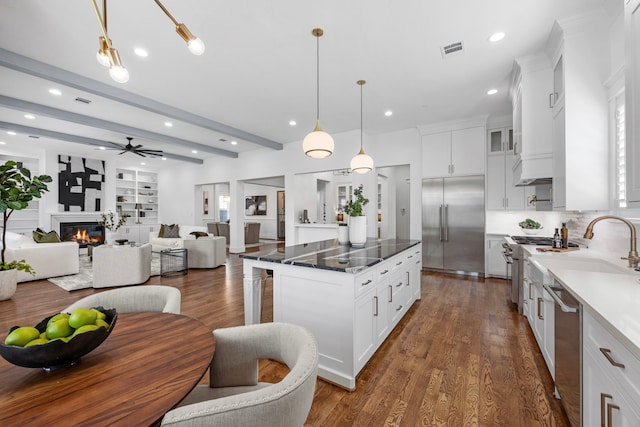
{"x":513,"y":254}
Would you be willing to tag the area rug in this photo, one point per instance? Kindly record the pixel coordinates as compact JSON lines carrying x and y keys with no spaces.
{"x":84,"y":279}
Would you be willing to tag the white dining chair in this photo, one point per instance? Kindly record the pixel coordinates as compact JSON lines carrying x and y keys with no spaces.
{"x":166,"y":299}
{"x":235,"y":397}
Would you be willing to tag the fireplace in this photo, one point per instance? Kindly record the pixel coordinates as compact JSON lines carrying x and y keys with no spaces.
{"x":82,"y":232}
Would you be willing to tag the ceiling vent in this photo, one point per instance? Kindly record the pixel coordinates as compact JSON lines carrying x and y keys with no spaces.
{"x":451,"y":49}
{"x":34,"y":136}
{"x":83,"y":100}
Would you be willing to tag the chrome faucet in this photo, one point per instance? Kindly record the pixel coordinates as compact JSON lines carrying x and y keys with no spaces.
{"x":633,"y":253}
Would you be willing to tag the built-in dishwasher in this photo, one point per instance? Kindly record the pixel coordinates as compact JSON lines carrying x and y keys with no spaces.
{"x":568,"y":351}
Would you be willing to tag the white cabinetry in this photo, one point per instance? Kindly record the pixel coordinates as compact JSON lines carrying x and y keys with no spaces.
{"x":454,"y":153}
{"x":137,"y":187}
{"x":611,"y":378}
{"x":138,"y":233}
{"x":502,"y":194}
{"x":540,"y":312}
{"x":580,"y":115}
{"x":349,"y":314}
{"x":531,"y":82}
{"x":496,"y":264}
{"x":632,"y":100}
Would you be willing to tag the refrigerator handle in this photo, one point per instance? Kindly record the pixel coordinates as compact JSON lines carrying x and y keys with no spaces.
{"x":446,"y":223}
{"x":440,"y":212}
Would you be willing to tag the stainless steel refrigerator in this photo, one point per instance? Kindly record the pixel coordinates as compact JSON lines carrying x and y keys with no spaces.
{"x":453,"y":224}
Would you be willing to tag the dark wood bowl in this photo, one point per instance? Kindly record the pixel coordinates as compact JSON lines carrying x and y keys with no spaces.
{"x":56,"y":354}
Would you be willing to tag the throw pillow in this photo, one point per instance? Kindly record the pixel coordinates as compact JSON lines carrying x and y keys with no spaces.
{"x":162,"y":228}
{"x":199,"y":234}
{"x":171,"y":231}
{"x":42,"y":237}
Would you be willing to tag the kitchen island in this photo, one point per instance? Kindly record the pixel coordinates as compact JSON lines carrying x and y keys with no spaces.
{"x":349,"y":298}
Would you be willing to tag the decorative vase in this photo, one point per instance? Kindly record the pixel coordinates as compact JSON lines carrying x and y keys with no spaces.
{"x":8,"y":283}
{"x":358,"y":231}
{"x":110,"y":237}
{"x":343,"y":234}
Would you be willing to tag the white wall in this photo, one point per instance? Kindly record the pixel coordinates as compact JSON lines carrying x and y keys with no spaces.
{"x":403,"y":147}
{"x":268,"y":222}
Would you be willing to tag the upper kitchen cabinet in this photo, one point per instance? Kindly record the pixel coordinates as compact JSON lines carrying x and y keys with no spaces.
{"x":457,"y":152}
{"x":531,"y":83}
{"x":579,"y":108}
{"x":501,"y":193}
{"x":632,"y":100}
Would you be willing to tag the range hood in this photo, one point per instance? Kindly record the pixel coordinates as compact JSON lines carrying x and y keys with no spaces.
{"x":533,"y":169}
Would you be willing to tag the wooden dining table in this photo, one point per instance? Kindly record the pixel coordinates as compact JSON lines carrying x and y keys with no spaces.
{"x":146,"y":366}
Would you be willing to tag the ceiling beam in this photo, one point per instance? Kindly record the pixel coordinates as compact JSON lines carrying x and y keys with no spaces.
{"x":43,"y":110}
{"x":28,"y":130}
{"x":49,"y":72}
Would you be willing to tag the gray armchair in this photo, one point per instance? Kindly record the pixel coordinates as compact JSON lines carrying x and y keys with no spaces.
{"x":234,"y":396}
{"x":133,"y":299}
{"x":251,"y":232}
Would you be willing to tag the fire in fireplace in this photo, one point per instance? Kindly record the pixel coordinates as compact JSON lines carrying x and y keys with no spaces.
{"x":82,"y":232}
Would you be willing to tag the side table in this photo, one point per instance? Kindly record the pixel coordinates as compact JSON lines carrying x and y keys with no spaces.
{"x":174,"y":262}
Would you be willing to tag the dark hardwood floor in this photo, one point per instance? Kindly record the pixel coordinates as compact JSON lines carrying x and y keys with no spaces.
{"x":462,"y":356}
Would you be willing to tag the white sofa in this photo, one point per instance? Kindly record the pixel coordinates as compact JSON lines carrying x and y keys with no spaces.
{"x":46,"y":259}
{"x":204,"y":252}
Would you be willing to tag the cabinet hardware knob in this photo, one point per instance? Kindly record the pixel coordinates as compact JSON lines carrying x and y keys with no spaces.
{"x":399,"y":263}
{"x":399,"y":308}
{"x":384,"y":272}
{"x":375,"y":307}
{"x":607,"y":354}
{"x":365,"y":283}
{"x":610,"y":408}
{"x":540,"y":316}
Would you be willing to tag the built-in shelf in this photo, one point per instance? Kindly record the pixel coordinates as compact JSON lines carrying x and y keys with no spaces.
{"x":133,"y":187}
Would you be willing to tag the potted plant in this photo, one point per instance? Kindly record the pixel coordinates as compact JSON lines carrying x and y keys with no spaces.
{"x":357,"y":219}
{"x":17,"y":189}
{"x":108,"y":221}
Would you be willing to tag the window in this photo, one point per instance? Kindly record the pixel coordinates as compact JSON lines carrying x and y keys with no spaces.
{"x":620,"y":157}
{"x":223,"y":208}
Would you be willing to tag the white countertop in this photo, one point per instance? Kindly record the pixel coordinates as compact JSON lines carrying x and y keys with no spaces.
{"x":613,"y":298}
{"x":317,"y":225}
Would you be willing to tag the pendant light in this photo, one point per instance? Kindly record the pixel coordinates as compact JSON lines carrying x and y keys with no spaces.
{"x":361,"y":163}
{"x":318,"y":144}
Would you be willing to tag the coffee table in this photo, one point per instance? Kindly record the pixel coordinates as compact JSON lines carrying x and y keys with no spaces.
{"x":148,"y":364}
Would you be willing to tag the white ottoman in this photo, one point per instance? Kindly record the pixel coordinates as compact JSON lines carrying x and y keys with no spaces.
{"x":121,"y":265}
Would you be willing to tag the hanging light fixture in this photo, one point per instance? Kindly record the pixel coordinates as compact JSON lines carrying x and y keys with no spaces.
{"x":318,"y":144}
{"x":195,"y":45}
{"x":109,"y":57}
{"x":116,"y":69}
{"x":361,"y":163}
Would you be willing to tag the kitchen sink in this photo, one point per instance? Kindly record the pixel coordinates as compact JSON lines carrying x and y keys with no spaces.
{"x":595,"y":265}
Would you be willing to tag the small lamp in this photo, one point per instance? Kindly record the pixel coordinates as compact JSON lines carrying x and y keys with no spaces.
{"x":137,"y":207}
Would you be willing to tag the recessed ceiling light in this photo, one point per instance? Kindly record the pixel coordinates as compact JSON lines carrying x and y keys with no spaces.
{"x":143,"y":163}
{"x":168,"y":124}
{"x":492,"y":91}
{"x":388,"y":113}
{"x":234,"y":142}
{"x":496,"y":37}
{"x":55,"y":92}
{"x":141,"y":52}
{"x":2,"y":143}
{"x":164,"y":158}
{"x":102,"y":148}
{"x":29,"y":116}
{"x":292,"y":123}
{"x":10,"y":132}
{"x":194,"y":151}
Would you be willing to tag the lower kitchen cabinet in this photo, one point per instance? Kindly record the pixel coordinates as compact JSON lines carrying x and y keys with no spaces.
{"x":539,"y":309}
{"x":496,"y":265}
{"x":610,"y":378}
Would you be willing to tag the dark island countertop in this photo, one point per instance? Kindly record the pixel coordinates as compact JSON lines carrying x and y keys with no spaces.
{"x":329,"y":255}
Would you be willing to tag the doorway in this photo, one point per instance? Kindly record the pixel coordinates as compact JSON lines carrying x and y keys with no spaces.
{"x":280,"y":215}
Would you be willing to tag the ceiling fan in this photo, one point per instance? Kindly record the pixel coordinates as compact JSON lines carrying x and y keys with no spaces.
{"x":135,"y":149}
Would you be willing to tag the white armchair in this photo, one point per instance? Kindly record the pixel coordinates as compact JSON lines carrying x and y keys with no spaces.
{"x":234,"y":396}
{"x":121,"y":265}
